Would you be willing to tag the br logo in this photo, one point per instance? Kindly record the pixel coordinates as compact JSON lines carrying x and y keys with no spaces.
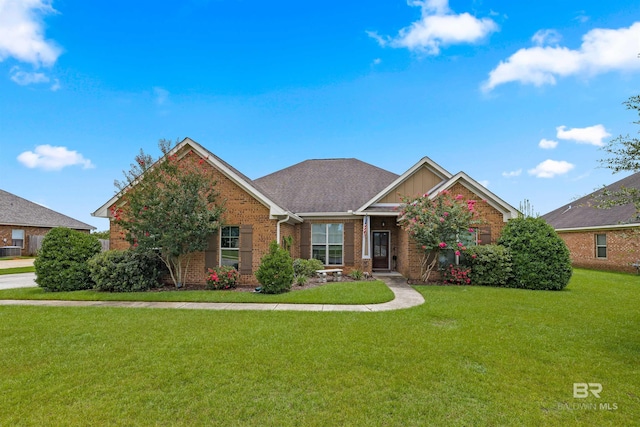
{"x":582,"y":390}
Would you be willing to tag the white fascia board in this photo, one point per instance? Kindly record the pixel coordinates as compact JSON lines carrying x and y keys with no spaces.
{"x":436,"y":168}
{"x":597,"y":228}
{"x":331,"y":215}
{"x":508,"y":211}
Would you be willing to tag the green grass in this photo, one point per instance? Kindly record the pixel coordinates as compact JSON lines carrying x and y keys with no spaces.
{"x":331,"y":293}
{"x":16,"y":270}
{"x":468,"y":356}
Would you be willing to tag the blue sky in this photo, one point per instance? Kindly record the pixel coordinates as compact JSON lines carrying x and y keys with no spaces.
{"x":519,"y":95}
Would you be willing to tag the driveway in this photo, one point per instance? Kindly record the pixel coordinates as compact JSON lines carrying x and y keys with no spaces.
{"x":21,"y":280}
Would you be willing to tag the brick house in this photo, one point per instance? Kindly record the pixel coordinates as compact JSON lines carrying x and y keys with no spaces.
{"x":603,"y":239}
{"x":341,"y":211}
{"x":22,"y":222}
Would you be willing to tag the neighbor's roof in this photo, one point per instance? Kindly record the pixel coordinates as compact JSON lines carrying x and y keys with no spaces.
{"x":583,"y":213}
{"x":20,"y":212}
{"x":326,"y":186}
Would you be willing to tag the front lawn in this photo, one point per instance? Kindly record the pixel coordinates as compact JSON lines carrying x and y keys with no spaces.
{"x":468,"y":356}
{"x":17,"y":270}
{"x":371,"y":292}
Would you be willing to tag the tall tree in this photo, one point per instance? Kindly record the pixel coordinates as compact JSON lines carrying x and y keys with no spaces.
{"x":169,"y":206}
{"x":624,"y":155}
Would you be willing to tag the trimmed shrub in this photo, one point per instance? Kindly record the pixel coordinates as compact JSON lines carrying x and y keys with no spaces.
{"x":307,"y":267}
{"x":61,"y":264}
{"x":540,"y":258}
{"x":275,"y":273}
{"x":125,"y":271}
{"x":223,"y":277}
{"x":490,"y":265}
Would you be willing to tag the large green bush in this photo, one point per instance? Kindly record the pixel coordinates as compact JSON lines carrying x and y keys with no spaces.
{"x":61,"y":264}
{"x":125,"y":271}
{"x":490,"y":265}
{"x":540,"y":258}
{"x":275,"y":273}
{"x":307,"y":267}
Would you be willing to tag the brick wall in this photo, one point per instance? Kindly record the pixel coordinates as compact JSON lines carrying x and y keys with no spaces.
{"x":623,"y":249}
{"x":410,"y":255}
{"x":240,"y":208}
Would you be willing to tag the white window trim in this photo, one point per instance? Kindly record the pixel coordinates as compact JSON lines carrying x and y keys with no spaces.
{"x":605,"y":246}
{"x":23,"y":237}
{"x":326,"y":244}
{"x":228,"y":249}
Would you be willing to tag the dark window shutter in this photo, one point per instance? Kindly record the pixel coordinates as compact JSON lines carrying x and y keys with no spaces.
{"x":484,"y":235}
{"x":305,"y":240}
{"x":348,"y":243}
{"x":211,"y":253}
{"x":246,"y":249}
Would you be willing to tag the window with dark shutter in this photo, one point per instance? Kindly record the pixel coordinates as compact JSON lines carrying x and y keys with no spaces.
{"x":349,"y":243}
{"x":305,"y":240}
{"x":484,"y":235}
{"x":246,"y":249}
{"x":211,"y":253}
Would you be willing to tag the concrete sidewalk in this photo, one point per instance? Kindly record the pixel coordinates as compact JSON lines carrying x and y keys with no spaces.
{"x":20,"y":280}
{"x":405,"y":297}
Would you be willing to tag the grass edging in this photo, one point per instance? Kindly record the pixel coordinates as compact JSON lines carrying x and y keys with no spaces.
{"x":374,"y":292}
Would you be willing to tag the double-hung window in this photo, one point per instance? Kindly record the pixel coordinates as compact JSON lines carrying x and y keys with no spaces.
{"x":601,"y":245}
{"x":17,"y":238}
{"x":230,"y":246}
{"x":327,"y":243}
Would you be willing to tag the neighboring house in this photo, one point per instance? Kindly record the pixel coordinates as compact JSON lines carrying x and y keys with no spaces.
{"x":604,"y":239}
{"x":341,"y":211}
{"x":22,"y":223}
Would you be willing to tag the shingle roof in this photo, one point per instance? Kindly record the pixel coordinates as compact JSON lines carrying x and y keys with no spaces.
{"x":583,"y":212}
{"x":17,"y":211}
{"x":329,"y":185}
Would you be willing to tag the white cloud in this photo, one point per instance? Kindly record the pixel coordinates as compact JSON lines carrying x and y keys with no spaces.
{"x":52,"y":158}
{"x":546,"y":37}
{"x":512,"y":174}
{"x":550,"y":168}
{"x":602,"y":50}
{"x":547,"y":144}
{"x":162,"y":95}
{"x":377,"y":61}
{"x":590,"y":135}
{"x":438,"y":26}
{"x":56,"y":85}
{"x":24,"y":78}
{"x":22,"y":32}
{"x":484,"y":183}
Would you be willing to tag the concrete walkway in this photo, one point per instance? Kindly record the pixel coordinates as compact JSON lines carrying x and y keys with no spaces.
{"x":405,"y":297}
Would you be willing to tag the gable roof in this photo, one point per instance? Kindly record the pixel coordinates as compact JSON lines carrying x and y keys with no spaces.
{"x":16,"y":211}
{"x":326,"y":186}
{"x":230,"y":172}
{"x":424,"y":162}
{"x":480,"y":190}
{"x":583,"y":213}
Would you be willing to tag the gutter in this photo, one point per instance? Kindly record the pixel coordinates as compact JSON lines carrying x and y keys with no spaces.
{"x":282,"y":221}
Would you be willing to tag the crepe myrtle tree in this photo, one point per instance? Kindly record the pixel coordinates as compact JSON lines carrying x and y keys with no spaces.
{"x":444,"y":222}
{"x":169,"y":207}
{"x":624,"y":156}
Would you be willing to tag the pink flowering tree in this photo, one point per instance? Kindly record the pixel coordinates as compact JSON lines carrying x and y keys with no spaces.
{"x":168,"y":207}
{"x":437,"y":224}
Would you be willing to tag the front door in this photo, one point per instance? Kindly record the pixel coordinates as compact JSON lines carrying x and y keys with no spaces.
{"x":381,"y":250}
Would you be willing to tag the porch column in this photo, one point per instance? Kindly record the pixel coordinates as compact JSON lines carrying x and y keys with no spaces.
{"x":366,"y":237}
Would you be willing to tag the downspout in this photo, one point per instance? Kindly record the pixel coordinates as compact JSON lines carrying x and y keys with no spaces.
{"x":278,"y":228}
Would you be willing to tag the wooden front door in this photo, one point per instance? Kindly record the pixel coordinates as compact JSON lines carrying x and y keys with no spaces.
{"x":381,"y":250}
